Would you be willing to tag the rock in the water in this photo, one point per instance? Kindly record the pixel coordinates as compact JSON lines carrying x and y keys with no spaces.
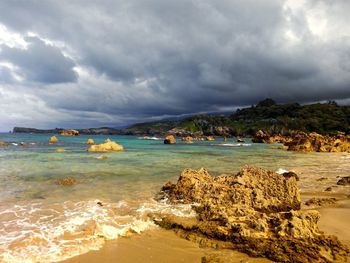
{"x":344,"y":181}
{"x":321,"y":202}
{"x":69,"y":133}
{"x":255,"y":211}
{"x":187,"y":139}
{"x":60,"y":150}
{"x":262,"y":137}
{"x":53,"y":139}
{"x":68,"y":181}
{"x":210,"y":138}
{"x":90,"y":141}
{"x":3,"y":144}
{"x":170,"y":139}
{"x":108,"y":146}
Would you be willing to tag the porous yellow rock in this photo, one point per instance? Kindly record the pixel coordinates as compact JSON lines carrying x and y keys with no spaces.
{"x":53,"y":139}
{"x":108,"y":146}
{"x":90,"y":141}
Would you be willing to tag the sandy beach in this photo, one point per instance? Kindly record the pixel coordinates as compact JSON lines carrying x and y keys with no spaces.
{"x":159,"y":245}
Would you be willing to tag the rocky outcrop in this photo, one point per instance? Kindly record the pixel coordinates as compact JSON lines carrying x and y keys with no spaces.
{"x":262,"y":137}
{"x":255,"y":211}
{"x":53,"y":139}
{"x":69,"y":133}
{"x":344,"y":181}
{"x":90,"y":141}
{"x":314,"y":142}
{"x":170,"y":139}
{"x":107,"y":146}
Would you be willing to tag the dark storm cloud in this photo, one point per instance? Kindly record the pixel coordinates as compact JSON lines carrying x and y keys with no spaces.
{"x":40,"y":62}
{"x":142,"y":59}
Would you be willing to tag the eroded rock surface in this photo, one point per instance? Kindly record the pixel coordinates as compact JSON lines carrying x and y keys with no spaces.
{"x":255,"y":211}
{"x":314,"y":142}
{"x":262,"y":137}
{"x":107,"y":146}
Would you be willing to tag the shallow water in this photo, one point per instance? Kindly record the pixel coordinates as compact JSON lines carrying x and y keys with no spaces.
{"x":42,"y":221}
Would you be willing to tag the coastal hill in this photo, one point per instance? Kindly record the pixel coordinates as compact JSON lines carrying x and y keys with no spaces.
{"x":266,"y":115}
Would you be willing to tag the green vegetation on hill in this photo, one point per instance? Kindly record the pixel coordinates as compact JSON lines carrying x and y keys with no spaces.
{"x":323,"y":118}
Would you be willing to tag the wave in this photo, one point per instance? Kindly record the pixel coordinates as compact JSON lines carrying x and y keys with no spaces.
{"x":150,"y":138}
{"x":233,"y":144}
{"x":49,"y":233}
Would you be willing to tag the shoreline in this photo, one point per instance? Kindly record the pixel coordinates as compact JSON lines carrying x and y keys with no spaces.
{"x":160,"y":245}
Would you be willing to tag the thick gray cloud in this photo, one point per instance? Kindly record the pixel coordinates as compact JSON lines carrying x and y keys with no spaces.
{"x":115,"y":62}
{"x":40,"y":62}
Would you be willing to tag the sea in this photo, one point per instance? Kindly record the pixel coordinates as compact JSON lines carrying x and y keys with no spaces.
{"x":42,"y":220}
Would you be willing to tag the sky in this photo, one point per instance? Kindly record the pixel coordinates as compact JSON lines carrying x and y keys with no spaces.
{"x":75,"y":64}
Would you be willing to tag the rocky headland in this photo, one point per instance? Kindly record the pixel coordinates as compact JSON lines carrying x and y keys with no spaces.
{"x":256,"y":211}
{"x":303,"y":142}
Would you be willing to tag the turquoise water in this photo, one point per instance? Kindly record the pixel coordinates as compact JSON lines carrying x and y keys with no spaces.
{"x":62,"y":221}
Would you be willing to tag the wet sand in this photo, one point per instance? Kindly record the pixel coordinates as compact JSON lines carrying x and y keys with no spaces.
{"x":156,"y":246}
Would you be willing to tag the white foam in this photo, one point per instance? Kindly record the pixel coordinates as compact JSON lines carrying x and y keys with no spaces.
{"x":39,"y":233}
{"x":281,"y":171}
{"x":233,"y":144}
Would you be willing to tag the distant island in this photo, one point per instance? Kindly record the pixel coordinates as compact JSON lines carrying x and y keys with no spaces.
{"x":266,"y":115}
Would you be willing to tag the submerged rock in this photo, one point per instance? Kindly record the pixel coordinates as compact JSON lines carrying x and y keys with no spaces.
{"x":68,"y":181}
{"x":69,"y":133}
{"x":255,"y":211}
{"x":60,"y":150}
{"x":170,"y":139}
{"x":53,"y":139}
{"x":90,"y":141}
{"x":108,"y":146}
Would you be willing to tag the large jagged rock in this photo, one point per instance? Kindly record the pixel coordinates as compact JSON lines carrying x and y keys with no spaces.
{"x":107,"y":146}
{"x":69,"y":133}
{"x":170,"y":139}
{"x":255,"y":211}
{"x":53,"y":139}
{"x":314,"y":142}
